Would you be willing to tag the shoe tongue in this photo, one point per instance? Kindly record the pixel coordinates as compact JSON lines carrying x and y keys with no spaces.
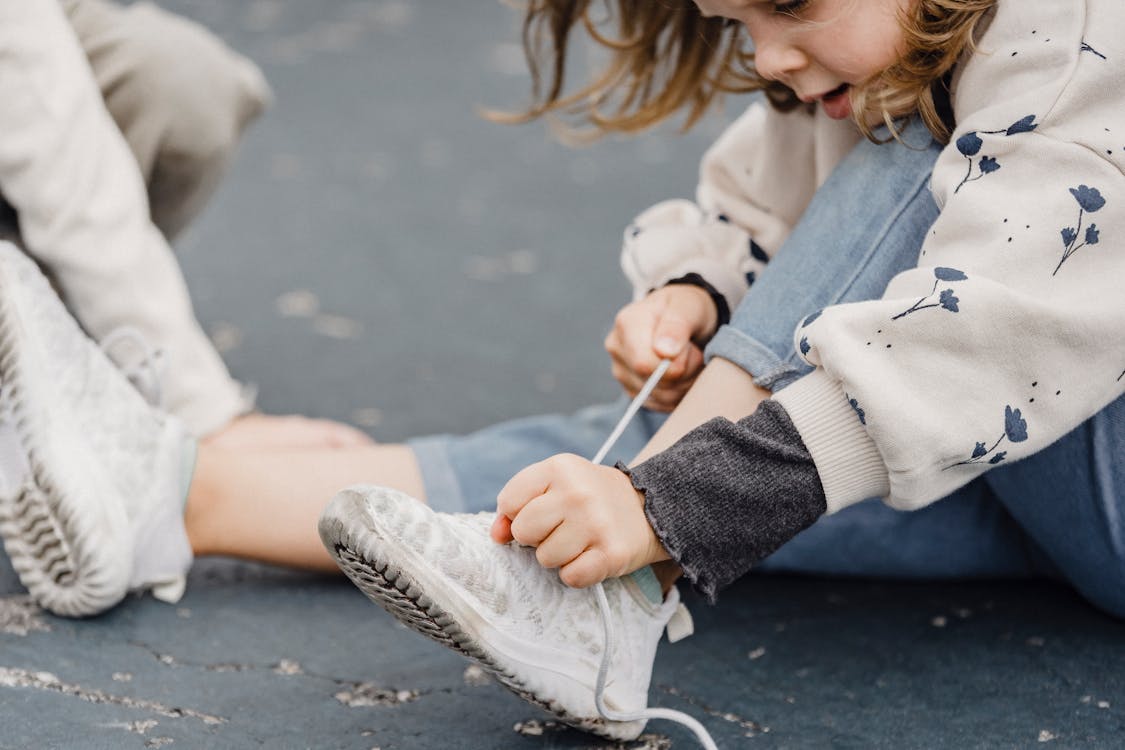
{"x":681,"y":625}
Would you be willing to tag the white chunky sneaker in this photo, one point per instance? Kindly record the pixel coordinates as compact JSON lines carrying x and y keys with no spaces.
{"x":90,"y":474}
{"x":442,"y":575}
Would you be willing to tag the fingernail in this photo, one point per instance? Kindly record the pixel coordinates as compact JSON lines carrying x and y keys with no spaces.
{"x":669,"y":347}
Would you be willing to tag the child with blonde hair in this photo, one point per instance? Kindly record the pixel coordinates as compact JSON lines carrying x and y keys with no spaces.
{"x":963,"y":361}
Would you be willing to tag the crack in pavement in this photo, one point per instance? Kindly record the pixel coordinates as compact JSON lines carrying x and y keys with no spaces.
{"x":136,"y":727}
{"x":538,"y":727}
{"x":47,"y":682}
{"x":351,"y":693}
{"x":749,"y":727}
{"x":364,"y":694}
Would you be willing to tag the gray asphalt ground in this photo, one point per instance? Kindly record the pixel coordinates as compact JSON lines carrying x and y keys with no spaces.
{"x":382,"y":255}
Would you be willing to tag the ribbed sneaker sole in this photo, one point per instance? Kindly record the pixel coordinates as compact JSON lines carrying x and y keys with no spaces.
{"x":396,"y":591}
{"x":40,"y":535}
{"x":49,"y":525}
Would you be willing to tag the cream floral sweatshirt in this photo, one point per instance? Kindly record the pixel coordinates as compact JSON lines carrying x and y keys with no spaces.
{"x":1010,"y":332}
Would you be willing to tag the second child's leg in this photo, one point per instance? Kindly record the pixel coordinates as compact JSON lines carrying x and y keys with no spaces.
{"x":263,"y":505}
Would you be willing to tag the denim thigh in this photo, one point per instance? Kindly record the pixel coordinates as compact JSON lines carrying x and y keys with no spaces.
{"x":865,"y":225}
{"x":464,"y":473}
{"x":1057,"y":513}
{"x":1069,"y":498}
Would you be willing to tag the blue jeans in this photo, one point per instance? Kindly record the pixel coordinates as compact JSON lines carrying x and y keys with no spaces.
{"x":1058,"y":514}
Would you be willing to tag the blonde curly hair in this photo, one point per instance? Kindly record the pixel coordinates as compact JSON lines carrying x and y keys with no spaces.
{"x":665,"y":57}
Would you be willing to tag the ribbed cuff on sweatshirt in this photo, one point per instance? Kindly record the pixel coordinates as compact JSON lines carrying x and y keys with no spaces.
{"x":846,"y":458}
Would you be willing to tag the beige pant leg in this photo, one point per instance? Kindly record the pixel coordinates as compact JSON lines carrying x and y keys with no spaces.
{"x":179,"y":95}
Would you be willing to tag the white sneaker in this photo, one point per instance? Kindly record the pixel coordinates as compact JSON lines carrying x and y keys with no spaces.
{"x":442,"y":575}
{"x":90,"y":484}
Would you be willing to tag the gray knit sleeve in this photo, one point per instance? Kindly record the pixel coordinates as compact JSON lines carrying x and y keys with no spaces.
{"x":730,"y":493}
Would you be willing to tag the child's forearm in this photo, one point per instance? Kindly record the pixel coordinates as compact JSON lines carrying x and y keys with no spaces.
{"x":722,"y":390}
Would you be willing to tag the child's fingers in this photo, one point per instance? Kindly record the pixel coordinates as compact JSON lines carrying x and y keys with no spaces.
{"x":537,"y":520}
{"x":631,"y":337}
{"x":564,"y":544}
{"x":633,"y":379}
{"x":686,"y":364}
{"x":665,"y":397}
{"x":590,"y":567}
{"x":525,"y":486}
{"x":630,"y":381}
{"x":501,"y":531}
{"x":671,"y":334}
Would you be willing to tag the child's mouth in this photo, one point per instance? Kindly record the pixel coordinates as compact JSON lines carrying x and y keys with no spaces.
{"x":837,"y":104}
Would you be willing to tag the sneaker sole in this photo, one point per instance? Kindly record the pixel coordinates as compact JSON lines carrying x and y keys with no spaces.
{"x":54,"y":526}
{"x":387,"y":584}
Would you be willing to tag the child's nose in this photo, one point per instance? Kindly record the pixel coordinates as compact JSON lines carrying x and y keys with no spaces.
{"x":776,"y":58}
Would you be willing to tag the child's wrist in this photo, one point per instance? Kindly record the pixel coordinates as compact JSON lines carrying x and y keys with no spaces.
{"x":713,"y":305}
{"x":652,"y":550}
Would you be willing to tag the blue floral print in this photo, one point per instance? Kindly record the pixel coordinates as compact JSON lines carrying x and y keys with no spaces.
{"x":1022,"y":125}
{"x":757,"y":253}
{"x":949,"y":274}
{"x":947,"y":300}
{"x":1090,"y":200}
{"x":971,"y":143}
{"x":988,"y":165}
{"x":855,"y":407}
{"x":804,"y":345}
{"x":1015,"y":430}
{"x":1087,"y":48}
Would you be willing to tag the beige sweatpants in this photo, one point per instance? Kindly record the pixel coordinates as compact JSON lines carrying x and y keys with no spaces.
{"x":180,"y":96}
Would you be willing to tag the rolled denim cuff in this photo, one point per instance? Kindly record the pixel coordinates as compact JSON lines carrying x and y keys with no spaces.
{"x":769,"y":369}
{"x":439,"y":475}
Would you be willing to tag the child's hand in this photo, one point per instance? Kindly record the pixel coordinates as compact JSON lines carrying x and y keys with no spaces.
{"x":586,"y":520}
{"x":258,"y":431}
{"x":662,"y":325}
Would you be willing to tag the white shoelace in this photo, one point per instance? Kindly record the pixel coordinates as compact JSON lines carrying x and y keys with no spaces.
{"x":669,"y":714}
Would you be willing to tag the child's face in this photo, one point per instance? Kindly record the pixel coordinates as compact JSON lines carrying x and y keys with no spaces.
{"x":818,"y":48}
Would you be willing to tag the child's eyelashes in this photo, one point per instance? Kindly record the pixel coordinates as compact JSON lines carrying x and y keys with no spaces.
{"x":791,"y":8}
